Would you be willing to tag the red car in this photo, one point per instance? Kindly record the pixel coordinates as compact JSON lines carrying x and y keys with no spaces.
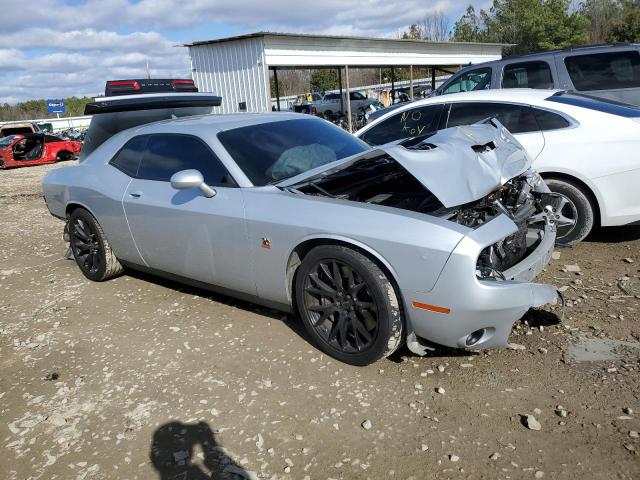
{"x":36,"y":149}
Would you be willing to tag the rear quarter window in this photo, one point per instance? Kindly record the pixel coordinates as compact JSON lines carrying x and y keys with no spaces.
{"x":604,"y":71}
{"x":550,"y":121}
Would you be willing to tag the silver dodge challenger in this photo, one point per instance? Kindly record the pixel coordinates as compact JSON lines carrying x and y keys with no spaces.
{"x":433,"y":240}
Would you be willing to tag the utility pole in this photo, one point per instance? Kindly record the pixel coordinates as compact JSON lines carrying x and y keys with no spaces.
{"x":148,"y":70}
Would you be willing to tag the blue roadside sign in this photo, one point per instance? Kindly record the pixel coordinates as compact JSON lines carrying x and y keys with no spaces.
{"x":55,"y":105}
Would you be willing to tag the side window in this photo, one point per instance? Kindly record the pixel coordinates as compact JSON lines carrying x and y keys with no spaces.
{"x":527,"y":75}
{"x":127,"y":159}
{"x":516,"y":118}
{"x":549,"y":121}
{"x":604,"y":71}
{"x":410,"y":123}
{"x":357,"y":96}
{"x":167,"y":154}
{"x":479,"y":79}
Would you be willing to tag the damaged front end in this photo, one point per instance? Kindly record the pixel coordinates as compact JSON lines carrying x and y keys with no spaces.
{"x":479,"y":177}
{"x":467,"y":175}
{"x":528,"y":203}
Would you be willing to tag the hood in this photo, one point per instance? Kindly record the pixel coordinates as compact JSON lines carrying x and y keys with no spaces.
{"x":458,"y":165}
{"x":464,"y":164}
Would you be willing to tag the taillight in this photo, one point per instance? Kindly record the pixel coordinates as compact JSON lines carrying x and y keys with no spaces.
{"x":314,"y":110}
{"x":123,"y":85}
{"x":180,"y":84}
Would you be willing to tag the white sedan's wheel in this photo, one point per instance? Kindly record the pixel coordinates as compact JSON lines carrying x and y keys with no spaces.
{"x":575,"y":215}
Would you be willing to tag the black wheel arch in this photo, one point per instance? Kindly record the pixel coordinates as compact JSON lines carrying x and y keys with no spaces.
{"x":578,"y":184}
{"x":71,"y":206}
{"x":63,"y":155}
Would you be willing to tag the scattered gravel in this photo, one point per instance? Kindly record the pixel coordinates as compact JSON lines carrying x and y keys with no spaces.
{"x":154,"y":378}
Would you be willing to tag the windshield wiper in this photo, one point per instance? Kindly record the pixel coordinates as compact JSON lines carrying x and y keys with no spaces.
{"x":320,"y":189}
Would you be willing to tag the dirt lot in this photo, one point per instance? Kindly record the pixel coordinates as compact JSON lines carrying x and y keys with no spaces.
{"x":143,"y":378}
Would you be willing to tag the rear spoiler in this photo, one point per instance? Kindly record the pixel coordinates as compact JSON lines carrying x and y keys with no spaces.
{"x":112,"y":115}
{"x":151,"y":102}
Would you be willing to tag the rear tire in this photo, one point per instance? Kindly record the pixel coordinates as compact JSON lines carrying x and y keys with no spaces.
{"x":348,"y":305}
{"x":579,"y":205}
{"x":90,"y":247}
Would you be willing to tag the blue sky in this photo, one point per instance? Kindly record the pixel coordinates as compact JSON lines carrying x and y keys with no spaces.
{"x":60,"y":48}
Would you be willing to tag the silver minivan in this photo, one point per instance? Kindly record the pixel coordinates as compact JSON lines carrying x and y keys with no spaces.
{"x":607,"y":71}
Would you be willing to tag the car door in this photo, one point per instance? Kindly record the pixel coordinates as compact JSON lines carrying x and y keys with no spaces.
{"x":518,"y":119}
{"x":530,"y":74}
{"x":412,"y":122}
{"x":180,"y":231}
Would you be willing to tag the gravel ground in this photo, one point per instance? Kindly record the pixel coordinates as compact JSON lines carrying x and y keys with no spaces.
{"x":143,"y":378}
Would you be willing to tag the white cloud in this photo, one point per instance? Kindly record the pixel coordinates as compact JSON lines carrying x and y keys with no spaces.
{"x":54,"y":48}
{"x":367,"y":16}
{"x":78,"y":40}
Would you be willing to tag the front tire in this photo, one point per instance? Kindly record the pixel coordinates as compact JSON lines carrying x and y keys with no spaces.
{"x":90,"y":247}
{"x":576,"y":215}
{"x":348,"y":305}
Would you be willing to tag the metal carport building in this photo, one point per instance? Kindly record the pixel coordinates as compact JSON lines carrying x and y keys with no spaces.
{"x":237,"y":68}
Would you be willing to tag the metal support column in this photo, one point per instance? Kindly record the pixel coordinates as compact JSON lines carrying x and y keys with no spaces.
{"x":346,"y":73}
{"x":275,"y":79}
{"x":340,"y":84}
{"x":433,"y":79}
{"x":411,"y":82}
{"x":393,"y":86}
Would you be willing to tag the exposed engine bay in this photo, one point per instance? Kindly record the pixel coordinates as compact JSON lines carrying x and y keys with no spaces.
{"x":525,"y":199}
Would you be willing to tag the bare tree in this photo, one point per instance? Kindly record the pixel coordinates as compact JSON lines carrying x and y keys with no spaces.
{"x":435,"y":27}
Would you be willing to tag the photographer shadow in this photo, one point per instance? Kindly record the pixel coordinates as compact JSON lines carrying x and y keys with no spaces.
{"x":173,"y":448}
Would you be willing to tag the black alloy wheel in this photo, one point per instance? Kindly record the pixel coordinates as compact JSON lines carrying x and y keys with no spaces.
{"x":86,"y":246}
{"x":344,"y":312}
{"x":348,"y":305}
{"x":90,"y":247}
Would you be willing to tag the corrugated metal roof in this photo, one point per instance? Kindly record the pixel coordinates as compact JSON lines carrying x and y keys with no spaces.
{"x":332,"y":37}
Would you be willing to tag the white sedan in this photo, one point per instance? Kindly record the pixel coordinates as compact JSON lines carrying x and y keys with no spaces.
{"x":585,"y":148}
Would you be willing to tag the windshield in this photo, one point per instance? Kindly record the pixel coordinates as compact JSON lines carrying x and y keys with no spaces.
{"x":595,"y":103}
{"x":270,"y":152}
{"x":7,"y":140}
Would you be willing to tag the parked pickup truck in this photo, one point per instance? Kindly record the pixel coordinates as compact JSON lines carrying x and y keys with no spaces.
{"x":607,"y":71}
{"x":304,"y":102}
{"x":330,"y":103}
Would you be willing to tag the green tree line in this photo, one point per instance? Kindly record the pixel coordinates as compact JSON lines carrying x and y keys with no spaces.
{"x":32,"y":109}
{"x":536,"y":25}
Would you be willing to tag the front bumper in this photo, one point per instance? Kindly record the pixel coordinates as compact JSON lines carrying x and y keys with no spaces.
{"x":490,"y":306}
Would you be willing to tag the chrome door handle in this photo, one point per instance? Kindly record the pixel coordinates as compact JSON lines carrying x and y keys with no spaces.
{"x":135,"y":194}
